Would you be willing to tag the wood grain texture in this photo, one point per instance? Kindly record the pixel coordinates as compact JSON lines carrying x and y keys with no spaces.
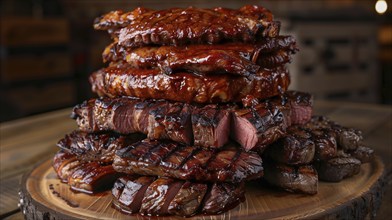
{"x":44,"y":196}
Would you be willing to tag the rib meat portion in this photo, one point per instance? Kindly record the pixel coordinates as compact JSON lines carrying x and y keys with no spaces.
{"x":116,"y":81}
{"x":235,"y":58}
{"x":87,"y":177}
{"x":98,"y":147}
{"x":171,"y":159}
{"x":193,"y":26}
{"x":166,"y":196}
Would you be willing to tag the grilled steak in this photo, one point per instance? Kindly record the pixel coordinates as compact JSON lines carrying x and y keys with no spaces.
{"x":258,"y":126}
{"x":302,"y":179}
{"x":338,"y":168}
{"x":347,"y":138}
{"x":170,"y":159}
{"x":193,"y":26}
{"x":64,"y":164}
{"x":296,"y":148}
{"x":166,"y":196}
{"x":206,"y":126}
{"x":87,"y":177}
{"x":123,"y":80}
{"x":362,"y":153}
{"x":210,"y":125}
{"x":234,"y":58}
{"x":98,"y":147}
{"x":301,"y":104}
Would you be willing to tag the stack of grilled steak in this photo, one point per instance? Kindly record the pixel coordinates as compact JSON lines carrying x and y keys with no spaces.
{"x":191,"y":101}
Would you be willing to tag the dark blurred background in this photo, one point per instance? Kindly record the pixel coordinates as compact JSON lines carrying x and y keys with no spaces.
{"x":48,"y":48}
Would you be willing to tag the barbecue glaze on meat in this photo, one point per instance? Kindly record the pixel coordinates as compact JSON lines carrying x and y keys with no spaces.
{"x":166,"y":196}
{"x":170,"y":159}
{"x":99,"y":147}
{"x":233,"y":58}
{"x":119,"y":80}
{"x":192,"y":26}
{"x":86,"y":177}
{"x":302,"y":179}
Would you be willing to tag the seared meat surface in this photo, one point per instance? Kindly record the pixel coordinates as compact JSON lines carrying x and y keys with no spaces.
{"x":338,"y":168}
{"x":296,"y":148}
{"x":234,"y":58}
{"x":170,"y":159}
{"x":302,"y":179}
{"x":124,"y":80}
{"x":208,"y":126}
{"x":192,"y":26}
{"x":166,"y":196}
{"x":98,"y":147}
{"x":87,"y":177}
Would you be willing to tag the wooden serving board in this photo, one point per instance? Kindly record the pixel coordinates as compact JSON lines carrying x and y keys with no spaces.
{"x":43,"y":196}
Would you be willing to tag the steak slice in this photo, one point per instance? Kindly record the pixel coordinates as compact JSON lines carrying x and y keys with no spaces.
{"x":362,"y":153}
{"x":188,"y":199}
{"x":128,"y":192}
{"x":338,"y":168}
{"x":302,"y":179}
{"x":123,"y":80}
{"x":301,"y":106}
{"x":64,"y":164}
{"x":165,"y":196}
{"x":210,"y":125}
{"x":240,"y":59}
{"x":296,"y":148}
{"x":347,"y":139}
{"x":171,"y":159}
{"x":92,"y":177}
{"x":193,"y":26}
{"x":98,"y":147}
{"x":222,"y":197}
{"x":256,"y":127}
{"x":86,"y":177}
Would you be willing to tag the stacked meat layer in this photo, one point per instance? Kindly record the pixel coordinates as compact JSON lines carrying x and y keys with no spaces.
{"x":191,"y":101}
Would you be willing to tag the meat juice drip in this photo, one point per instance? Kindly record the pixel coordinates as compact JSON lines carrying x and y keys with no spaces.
{"x":67,"y":201}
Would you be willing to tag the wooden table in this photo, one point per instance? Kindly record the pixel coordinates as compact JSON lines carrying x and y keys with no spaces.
{"x":27,"y":141}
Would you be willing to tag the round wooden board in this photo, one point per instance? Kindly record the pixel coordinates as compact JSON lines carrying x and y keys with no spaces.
{"x":44,"y":196}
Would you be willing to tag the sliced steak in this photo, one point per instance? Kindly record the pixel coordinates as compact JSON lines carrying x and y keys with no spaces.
{"x":296,"y":148}
{"x":338,"y":168}
{"x":124,"y":80}
{"x":256,"y":127}
{"x":362,"y":153}
{"x":171,"y":121}
{"x":223,"y":197}
{"x":98,"y":147}
{"x":92,"y":177}
{"x":301,"y":106}
{"x":87,"y":177}
{"x":171,"y":159}
{"x":64,"y":164}
{"x":347,"y":139}
{"x":302,"y":179}
{"x":188,"y":199}
{"x":128,"y":192}
{"x":194,"y":26}
{"x":211,"y":126}
{"x":166,"y":196}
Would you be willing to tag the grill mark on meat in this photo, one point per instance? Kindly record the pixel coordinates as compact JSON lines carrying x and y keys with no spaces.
{"x":206,"y":126}
{"x":123,"y":80}
{"x":233,"y":58}
{"x":201,"y":166}
{"x":162,"y":196}
{"x":98,"y":147}
{"x":302,"y":179}
{"x":216,"y":26}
